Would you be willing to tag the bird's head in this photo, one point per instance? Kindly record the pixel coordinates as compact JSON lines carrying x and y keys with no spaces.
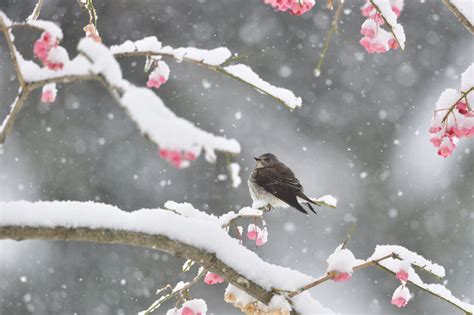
{"x":266,"y":160}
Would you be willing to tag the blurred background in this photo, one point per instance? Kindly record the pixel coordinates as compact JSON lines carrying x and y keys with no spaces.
{"x":361,"y":135}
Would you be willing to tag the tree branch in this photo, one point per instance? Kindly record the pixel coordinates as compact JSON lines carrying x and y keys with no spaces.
{"x":464,"y":21}
{"x":155,"y":241}
{"x":15,"y":109}
{"x":36,"y":11}
{"x":12,"y":51}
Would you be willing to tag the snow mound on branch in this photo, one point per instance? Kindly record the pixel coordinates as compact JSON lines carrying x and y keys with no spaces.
{"x":47,"y":26}
{"x":199,"y":233}
{"x":245,"y":73}
{"x":342,"y":260}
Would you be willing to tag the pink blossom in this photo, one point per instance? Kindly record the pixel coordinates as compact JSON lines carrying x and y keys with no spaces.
{"x":401,"y":296}
{"x":372,"y":45}
{"x":189,"y":311}
{"x":49,"y":93}
{"x":179,"y":159}
{"x":436,"y":141}
{"x":367,"y":9}
{"x":213,"y":278}
{"x":43,"y":45}
{"x":159,"y":75}
{"x":399,"y":302}
{"x":295,"y":7}
{"x":341,"y":276}
{"x":402,"y":275}
{"x":446,"y":147}
{"x":252,"y":235}
{"x":462,"y":108}
{"x":392,"y":43}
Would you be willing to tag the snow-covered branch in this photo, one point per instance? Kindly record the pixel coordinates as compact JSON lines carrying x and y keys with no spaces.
{"x":179,"y":140}
{"x":186,"y":232}
{"x":216,"y":60}
{"x":464,"y":11}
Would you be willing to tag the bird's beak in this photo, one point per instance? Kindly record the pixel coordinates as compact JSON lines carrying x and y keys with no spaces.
{"x":256,"y":159}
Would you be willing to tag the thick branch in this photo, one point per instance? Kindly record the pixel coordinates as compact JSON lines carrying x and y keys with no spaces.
{"x":12,"y":51}
{"x":15,"y":109}
{"x":154,"y":241}
{"x":467,"y":24}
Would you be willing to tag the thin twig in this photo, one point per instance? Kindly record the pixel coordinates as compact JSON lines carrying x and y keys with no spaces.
{"x":176,"y":293}
{"x":330,"y":275}
{"x":36,"y":11}
{"x":218,"y":69}
{"x":461,"y":17}
{"x":327,"y":41}
{"x":451,"y":109}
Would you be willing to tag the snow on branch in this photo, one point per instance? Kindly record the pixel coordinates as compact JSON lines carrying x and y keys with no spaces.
{"x":215,"y":59}
{"x":464,"y":11}
{"x":191,"y":237}
{"x":183,"y":231}
{"x":180,"y":141}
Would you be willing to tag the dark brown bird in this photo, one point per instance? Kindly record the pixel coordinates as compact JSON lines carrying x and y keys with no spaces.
{"x":275,"y":184}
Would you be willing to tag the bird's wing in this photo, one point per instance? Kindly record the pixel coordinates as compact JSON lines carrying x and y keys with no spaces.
{"x":282,"y":183}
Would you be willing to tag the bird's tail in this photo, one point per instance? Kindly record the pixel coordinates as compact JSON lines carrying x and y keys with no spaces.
{"x":308,"y":201}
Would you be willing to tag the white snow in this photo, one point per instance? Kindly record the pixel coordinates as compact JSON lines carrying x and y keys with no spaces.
{"x":246,"y":74}
{"x":467,"y":77}
{"x":466,"y":7}
{"x":196,"y":305}
{"x":162,"y":126}
{"x":342,"y":260}
{"x":47,"y":26}
{"x":4,"y":19}
{"x":234,"y":170}
{"x":200,"y":233}
{"x":407,"y":255}
{"x":328,"y":200}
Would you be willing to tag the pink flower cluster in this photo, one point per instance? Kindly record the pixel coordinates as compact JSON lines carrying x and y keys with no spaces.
{"x":159,"y":75}
{"x":257,"y":234}
{"x":295,"y":7}
{"x":177,"y":158}
{"x":450,"y":124}
{"x":376,"y":39}
{"x":47,"y":49}
{"x":213,"y":278}
{"x":49,"y":92}
{"x":189,"y":311}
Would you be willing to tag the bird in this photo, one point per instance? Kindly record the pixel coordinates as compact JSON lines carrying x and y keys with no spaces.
{"x":274,"y":183}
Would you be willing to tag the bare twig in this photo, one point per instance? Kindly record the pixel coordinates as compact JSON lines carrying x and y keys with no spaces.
{"x":176,"y":293}
{"x":36,"y":11}
{"x":327,"y":41}
{"x":464,"y":21}
{"x":330,"y":275}
{"x":218,"y":69}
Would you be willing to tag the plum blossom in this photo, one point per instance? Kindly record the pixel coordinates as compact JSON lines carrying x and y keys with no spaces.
{"x":191,"y":307}
{"x":401,"y":296}
{"x":294,"y":7}
{"x":377,"y":39}
{"x":177,"y":158}
{"x":159,"y":75}
{"x":341,"y":264}
{"x":47,"y":49}
{"x":257,"y":234}
{"x":213,"y":278}
{"x":453,"y":118}
{"x":49,"y":93}
{"x":402,"y":275}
